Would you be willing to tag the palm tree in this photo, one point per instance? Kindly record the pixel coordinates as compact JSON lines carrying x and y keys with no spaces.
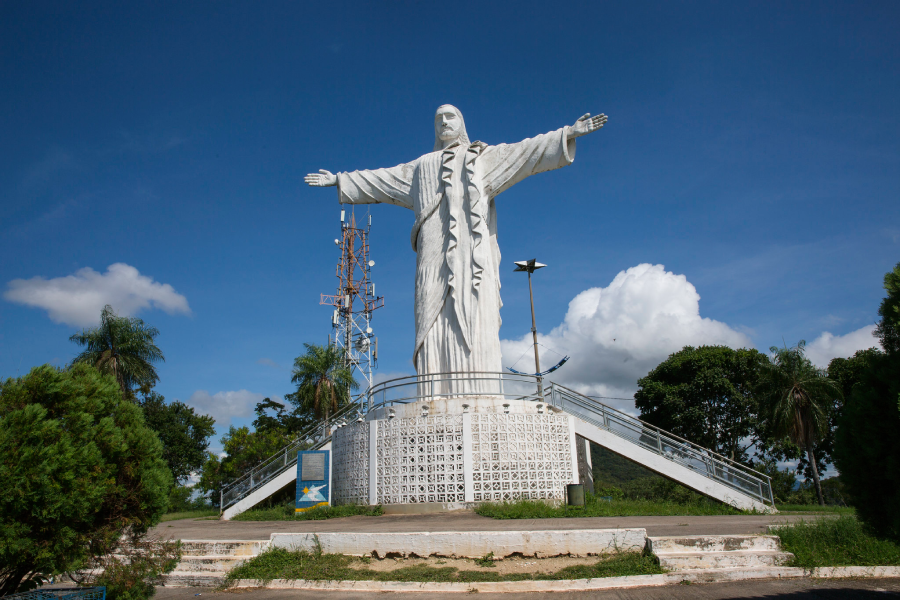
{"x":122,"y":346}
{"x":323,"y":380}
{"x":796,"y":395}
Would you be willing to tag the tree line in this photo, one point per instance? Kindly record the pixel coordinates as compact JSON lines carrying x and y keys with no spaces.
{"x":761,"y":409}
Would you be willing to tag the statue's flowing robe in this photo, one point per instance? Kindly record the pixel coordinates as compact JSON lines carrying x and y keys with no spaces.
{"x":452,"y":193}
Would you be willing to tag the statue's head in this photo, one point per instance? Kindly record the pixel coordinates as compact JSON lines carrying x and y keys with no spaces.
{"x":449,"y":126}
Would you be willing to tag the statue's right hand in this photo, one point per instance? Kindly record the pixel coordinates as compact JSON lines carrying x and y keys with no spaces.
{"x":321,"y":179}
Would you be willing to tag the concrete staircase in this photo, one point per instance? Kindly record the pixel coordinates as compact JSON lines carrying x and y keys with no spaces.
{"x":688,"y":553}
{"x":205,"y":563}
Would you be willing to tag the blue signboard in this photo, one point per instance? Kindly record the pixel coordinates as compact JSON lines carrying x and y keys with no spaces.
{"x":313,"y":479}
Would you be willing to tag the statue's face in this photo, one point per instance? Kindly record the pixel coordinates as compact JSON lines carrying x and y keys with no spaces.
{"x":447,"y":123}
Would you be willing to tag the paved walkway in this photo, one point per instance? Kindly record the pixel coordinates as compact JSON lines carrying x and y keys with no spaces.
{"x":197,"y":529}
{"x":802,"y":589}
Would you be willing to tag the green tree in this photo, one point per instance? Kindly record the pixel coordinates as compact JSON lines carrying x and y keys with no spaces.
{"x":323,"y":382}
{"x":847,"y":372}
{"x":795,"y":399}
{"x":867,"y":445}
{"x":184,"y":433}
{"x":79,"y":467}
{"x":123,"y":347}
{"x":704,"y":395}
{"x":293,"y":421}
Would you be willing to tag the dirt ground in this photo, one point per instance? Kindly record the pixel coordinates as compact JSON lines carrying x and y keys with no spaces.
{"x":512,"y":564}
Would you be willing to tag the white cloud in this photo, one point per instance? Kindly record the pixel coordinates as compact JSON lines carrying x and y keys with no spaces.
{"x":270,"y":363}
{"x":617,"y":334}
{"x":225,"y":406}
{"x":78,"y":299}
{"x":828,"y":346}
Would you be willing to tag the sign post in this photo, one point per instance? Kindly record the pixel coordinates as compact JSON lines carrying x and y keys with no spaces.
{"x":313,"y":479}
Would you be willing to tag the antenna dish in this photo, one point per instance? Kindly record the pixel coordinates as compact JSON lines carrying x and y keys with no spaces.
{"x":371,"y":263}
{"x":368,"y":330}
{"x":337,"y":242}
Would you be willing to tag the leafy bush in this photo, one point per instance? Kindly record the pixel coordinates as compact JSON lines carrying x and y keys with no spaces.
{"x":134,"y":569}
{"x":78,"y":467}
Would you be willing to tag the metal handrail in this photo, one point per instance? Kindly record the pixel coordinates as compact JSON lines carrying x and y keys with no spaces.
{"x":312,"y":438}
{"x":730,"y":473}
{"x":424,"y":387}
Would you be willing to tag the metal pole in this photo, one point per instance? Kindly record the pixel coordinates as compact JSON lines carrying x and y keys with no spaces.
{"x":537,"y":359}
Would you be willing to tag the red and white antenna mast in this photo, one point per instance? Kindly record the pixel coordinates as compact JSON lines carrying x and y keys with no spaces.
{"x":355,"y":300}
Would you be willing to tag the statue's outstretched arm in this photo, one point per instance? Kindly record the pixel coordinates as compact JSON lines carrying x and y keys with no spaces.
{"x":586,"y":124}
{"x":321,"y":179}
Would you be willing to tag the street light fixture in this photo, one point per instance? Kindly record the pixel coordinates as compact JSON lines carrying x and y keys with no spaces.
{"x":530,"y":266}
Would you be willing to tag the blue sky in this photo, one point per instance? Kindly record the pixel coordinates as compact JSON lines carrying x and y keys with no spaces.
{"x":753,"y":149}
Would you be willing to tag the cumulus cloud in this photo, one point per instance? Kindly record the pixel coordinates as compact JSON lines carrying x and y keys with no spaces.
{"x":225,"y":406}
{"x":78,"y":299}
{"x":617,"y":334}
{"x":828,"y":346}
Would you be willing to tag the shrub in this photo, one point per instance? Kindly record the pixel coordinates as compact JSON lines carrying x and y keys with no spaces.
{"x":132,"y":571}
{"x":78,"y":467}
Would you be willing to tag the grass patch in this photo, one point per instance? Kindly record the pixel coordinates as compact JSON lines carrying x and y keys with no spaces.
{"x":596,"y":507}
{"x":190,"y":514}
{"x":278,"y":563}
{"x":286,"y":512}
{"x":840,"y":542}
{"x":815,"y":508}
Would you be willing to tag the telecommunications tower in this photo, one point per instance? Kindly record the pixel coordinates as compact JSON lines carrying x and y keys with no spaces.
{"x":355,"y":300}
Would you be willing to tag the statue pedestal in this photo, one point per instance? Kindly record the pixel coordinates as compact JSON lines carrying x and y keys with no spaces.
{"x":448,"y":453}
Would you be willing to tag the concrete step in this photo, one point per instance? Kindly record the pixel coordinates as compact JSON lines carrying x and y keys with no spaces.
{"x":210,"y":564}
{"x":223,"y":547}
{"x":179,"y":578}
{"x":733,"y":559}
{"x":713,"y":543}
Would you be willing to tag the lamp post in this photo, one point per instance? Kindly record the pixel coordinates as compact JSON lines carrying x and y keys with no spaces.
{"x":530,"y":266}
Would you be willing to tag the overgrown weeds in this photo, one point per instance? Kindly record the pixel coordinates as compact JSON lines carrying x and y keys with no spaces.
{"x":816,"y":508}
{"x":835,"y":542}
{"x":287,"y":512}
{"x":598,"y":506}
{"x":278,"y":563}
{"x":486,"y":561}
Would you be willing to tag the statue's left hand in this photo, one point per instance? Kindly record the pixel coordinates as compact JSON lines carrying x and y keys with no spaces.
{"x":587,"y":124}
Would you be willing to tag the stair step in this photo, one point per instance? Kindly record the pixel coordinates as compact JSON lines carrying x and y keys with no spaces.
{"x":245,"y":548}
{"x":735,"y":559}
{"x":713,"y":543}
{"x":193,"y":579}
{"x":219,"y":564}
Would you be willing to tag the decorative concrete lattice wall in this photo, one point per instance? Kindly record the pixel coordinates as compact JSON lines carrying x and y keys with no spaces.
{"x":520,"y":456}
{"x":420,"y":459}
{"x":350,"y":476}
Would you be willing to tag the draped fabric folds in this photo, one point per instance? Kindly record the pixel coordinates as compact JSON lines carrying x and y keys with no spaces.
{"x":452,"y":193}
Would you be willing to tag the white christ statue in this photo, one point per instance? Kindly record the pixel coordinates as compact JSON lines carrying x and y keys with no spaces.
{"x":451,"y":190}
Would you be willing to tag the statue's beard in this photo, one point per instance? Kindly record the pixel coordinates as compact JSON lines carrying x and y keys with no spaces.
{"x":461,"y":136}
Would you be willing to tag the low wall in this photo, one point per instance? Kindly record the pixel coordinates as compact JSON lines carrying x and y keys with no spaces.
{"x":466,"y":544}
